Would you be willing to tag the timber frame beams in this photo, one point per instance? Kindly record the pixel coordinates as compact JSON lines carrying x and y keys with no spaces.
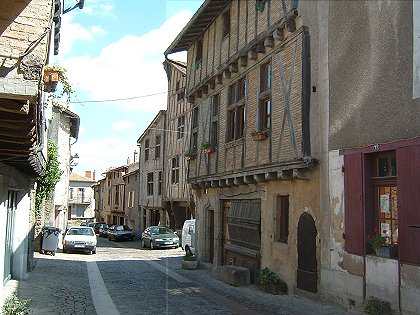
{"x":278,"y":34}
{"x":292,"y":171}
{"x":19,"y":136}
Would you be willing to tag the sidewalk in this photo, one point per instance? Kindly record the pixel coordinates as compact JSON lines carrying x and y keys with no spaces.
{"x":58,"y":286}
{"x":256,"y":299}
{"x":250,"y":296}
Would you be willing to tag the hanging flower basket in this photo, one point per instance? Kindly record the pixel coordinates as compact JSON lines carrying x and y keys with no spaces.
{"x":259,"y":135}
{"x":51,"y":78}
{"x":55,"y":74}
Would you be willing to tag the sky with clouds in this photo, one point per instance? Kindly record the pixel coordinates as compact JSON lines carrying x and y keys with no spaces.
{"x":114,"y":49}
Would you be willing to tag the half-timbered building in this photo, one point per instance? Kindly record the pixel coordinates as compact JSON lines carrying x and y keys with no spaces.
{"x":151,"y":171}
{"x":178,"y":198}
{"x":113,"y":196}
{"x":254,"y":130}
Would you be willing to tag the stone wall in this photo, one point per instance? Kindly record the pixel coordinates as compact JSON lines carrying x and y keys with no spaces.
{"x":21,"y":24}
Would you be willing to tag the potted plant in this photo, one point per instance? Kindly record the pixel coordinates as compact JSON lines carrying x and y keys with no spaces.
{"x":259,"y":135}
{"x":55,"y":74}
{"x":381,"y":249}
{"x":189,"y":261}
{"x":207,"y":148}
{"x":271,"y":283}
{"x":51,"y":78}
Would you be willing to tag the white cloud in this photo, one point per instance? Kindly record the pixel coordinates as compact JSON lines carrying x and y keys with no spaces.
{"x":122,"y":125}
{"x":131,"y":66}
{"x":102,"y":153}
{"x":99,"y":7}
{"x":72,"y":32}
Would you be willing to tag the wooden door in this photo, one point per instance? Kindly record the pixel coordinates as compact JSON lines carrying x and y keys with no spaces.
{"x":307,"y":265}
{"x":211,"y":235}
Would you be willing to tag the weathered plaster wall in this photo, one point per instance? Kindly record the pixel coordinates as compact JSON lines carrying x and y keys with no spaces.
{"x":341,"y":273}
{"x":280,"y":257}
{"x":371,"y":72}
{"x":303,"y":197}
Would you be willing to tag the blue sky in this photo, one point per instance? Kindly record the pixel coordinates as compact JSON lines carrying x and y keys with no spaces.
{"x":114,"y":49}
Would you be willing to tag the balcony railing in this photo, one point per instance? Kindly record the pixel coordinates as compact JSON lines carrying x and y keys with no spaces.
{"x":80,"y":199}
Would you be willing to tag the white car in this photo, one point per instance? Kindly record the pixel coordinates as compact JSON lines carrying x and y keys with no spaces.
{"x":80,"y":238}
{"x":188,"y":236}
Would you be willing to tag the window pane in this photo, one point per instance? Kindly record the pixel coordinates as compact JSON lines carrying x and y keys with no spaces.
{"x":383,"y":167}
{"x":240,"y":122}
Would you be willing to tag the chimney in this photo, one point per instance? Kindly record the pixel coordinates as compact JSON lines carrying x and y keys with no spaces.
{"x":88,"y":174}
{"x":93,"y":175}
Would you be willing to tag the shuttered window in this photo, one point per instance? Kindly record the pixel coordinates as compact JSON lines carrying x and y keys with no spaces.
{"x":408,"y":169}
{"x":243,"y":223}
{"x":282,"y":219}
{"x":353,"y":196}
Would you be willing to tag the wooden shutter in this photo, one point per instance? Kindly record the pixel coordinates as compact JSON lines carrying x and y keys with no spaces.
{"x":408,"y":171}
{"x":353,"y":196}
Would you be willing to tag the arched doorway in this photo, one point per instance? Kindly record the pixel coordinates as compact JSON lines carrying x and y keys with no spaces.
{"x":307,"y":277}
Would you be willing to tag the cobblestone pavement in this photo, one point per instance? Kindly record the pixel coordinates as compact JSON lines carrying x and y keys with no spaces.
{"x":124,"y":279}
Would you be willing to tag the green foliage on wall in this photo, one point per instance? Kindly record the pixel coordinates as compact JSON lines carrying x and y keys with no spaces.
{"x":48,"y":180}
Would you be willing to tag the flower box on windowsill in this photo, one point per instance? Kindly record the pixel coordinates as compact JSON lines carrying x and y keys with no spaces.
{"x":259,"y":135}
{"x":190,"y":155}
{"x":207,"y":148}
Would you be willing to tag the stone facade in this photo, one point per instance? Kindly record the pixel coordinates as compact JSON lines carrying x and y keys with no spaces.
{"x":23,"y":24}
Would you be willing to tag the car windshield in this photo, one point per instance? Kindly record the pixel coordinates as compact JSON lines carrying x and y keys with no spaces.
{"x":161,"y":230}
{"x":82,"y":231}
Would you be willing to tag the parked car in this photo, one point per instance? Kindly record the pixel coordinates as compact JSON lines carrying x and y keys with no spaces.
{"x":159,"y":237}
{"x":96,"y":226}
{"x":106,"y":230}
{"x":103,"y":230}
{"x":80,"y":238}
{"x":120,"y":233}
{"x":188,"y":236}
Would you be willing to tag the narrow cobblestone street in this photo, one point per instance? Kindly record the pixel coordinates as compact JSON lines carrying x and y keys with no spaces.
{"x":124,"y":279}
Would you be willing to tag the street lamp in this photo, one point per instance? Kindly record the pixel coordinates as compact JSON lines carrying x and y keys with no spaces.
{"x":74,"y":160}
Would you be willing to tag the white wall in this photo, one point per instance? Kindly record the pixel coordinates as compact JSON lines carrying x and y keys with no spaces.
{"x":12,"y":179}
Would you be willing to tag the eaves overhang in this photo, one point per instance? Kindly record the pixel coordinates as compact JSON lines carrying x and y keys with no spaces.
{"x":200,"y":21}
